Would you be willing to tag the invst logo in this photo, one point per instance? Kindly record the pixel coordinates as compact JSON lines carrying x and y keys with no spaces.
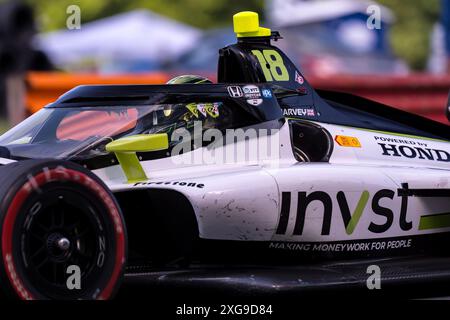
{"x":350,"y":216}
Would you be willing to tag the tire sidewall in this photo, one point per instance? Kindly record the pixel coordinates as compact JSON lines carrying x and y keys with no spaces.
{"x":16,"y":178}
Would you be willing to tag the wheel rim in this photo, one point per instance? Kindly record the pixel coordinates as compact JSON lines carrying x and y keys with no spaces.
{"x":62,"y":233}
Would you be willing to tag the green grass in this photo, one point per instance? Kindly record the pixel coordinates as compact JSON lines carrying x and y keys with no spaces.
{"x":4,"y":125}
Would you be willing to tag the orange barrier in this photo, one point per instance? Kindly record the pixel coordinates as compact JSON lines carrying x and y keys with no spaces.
{"x":422,"y":94}
{"x":45,"y":87}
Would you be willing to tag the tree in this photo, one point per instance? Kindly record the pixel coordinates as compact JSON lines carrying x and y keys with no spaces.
{"x":410,"y":34}
{"x":199,"y":13}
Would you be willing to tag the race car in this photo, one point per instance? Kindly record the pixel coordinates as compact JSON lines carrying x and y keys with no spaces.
{"x":258,"y":168}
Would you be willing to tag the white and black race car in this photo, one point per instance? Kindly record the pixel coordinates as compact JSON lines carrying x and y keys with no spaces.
{"x":113,"y":175}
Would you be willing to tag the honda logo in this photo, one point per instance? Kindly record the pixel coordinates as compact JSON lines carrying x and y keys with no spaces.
{"x":235,"y":91}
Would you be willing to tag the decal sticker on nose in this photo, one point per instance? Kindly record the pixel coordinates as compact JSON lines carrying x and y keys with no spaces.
{"x":345,"y":141}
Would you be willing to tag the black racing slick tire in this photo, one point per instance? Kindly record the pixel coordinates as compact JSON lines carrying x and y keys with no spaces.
{"x":62,"y":233}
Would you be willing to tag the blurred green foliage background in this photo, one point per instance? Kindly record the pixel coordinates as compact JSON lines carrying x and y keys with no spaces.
{"x":410,"y":35}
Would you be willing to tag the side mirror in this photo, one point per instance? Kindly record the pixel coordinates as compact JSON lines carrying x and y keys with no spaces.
{"x":125,"y":150}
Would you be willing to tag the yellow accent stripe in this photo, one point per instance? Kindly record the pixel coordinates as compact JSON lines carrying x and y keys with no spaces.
{"x":398,"y":134}
{"x":434,"y":221}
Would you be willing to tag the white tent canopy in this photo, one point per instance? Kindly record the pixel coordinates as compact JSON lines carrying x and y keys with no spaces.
{"x":292,"y":12}
{"x":138,"y":35}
